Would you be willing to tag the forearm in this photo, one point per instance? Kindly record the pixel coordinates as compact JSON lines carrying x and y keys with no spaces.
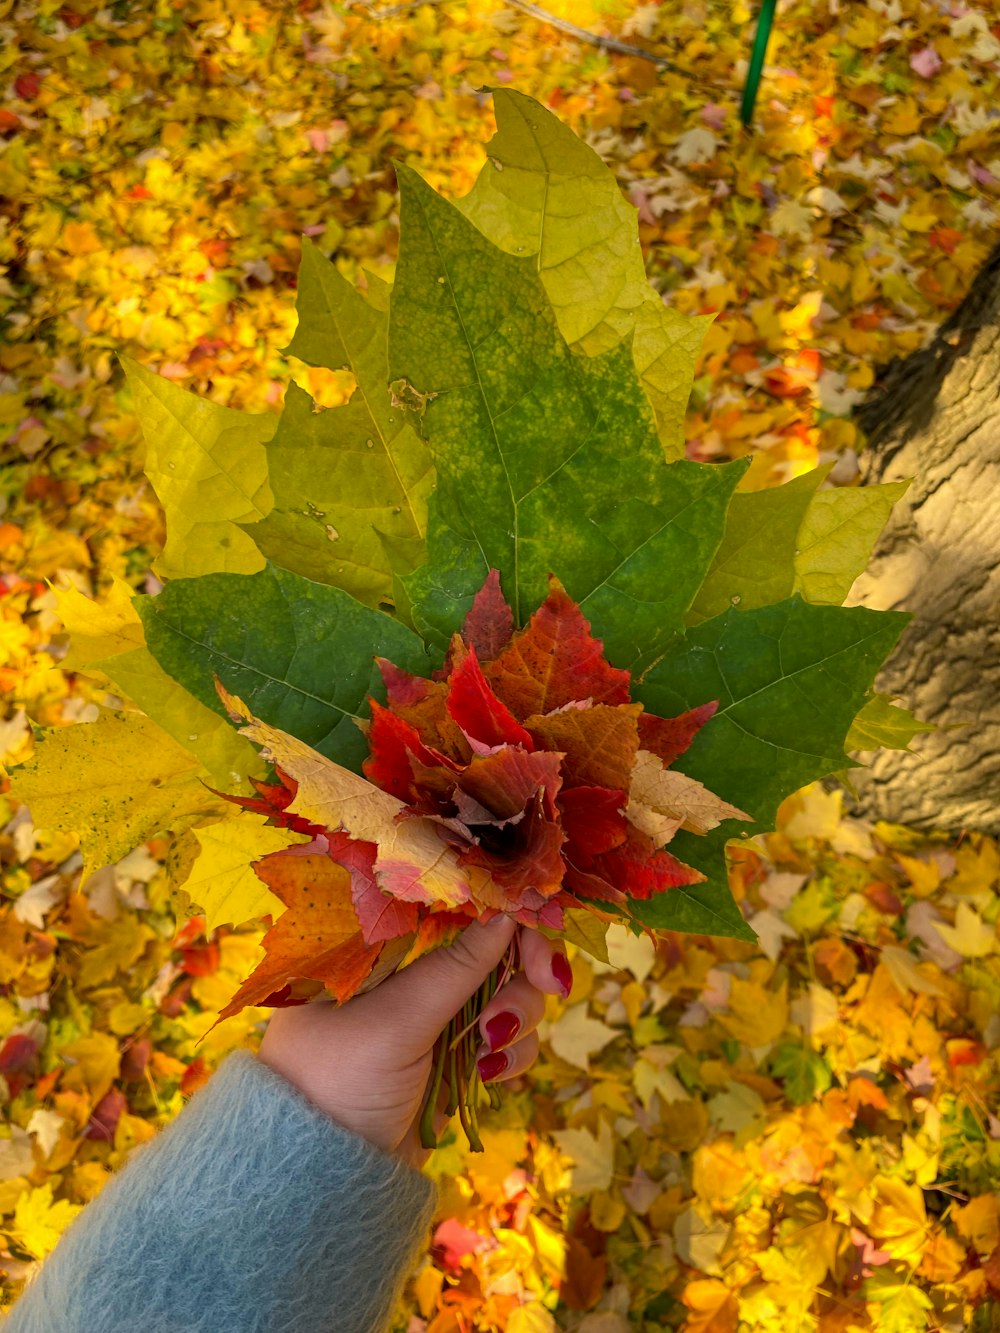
{"x":252,"y":1213}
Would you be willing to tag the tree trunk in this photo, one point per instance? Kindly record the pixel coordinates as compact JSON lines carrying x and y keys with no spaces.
{"x":936,"y":417}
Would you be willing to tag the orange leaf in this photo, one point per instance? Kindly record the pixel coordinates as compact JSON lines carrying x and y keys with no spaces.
{"x":317,"y":937}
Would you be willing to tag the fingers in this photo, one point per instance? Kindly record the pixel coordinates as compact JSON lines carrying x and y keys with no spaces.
{"x":510,"y":1062}
{"x":517,"y":1008}
{"x":545,"y":963}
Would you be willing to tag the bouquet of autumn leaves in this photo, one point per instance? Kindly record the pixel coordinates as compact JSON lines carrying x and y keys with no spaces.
{"x":481,"y":639}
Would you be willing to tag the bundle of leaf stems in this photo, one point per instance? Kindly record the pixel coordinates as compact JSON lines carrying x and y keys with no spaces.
{"x":456,"y":1048}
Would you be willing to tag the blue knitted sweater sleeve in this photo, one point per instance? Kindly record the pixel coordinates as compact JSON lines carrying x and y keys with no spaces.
{"x":253,"y":1212}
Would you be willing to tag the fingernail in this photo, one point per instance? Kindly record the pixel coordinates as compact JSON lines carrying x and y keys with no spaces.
{"x":492,"y":1065}
{"x":563,"y":973}
{"x":501,"y":1029}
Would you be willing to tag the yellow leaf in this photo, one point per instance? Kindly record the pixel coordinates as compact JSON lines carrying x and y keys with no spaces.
{"x":903,"y":118}
{"x":125,"y":1018}
{"x":116,"y":782}
{"x":593,"y":1156}
{"x":98,"y":629}
{"x":575,"y":1036}
{"x":924,"y":876}
{"x":222,"y":880}
{"x":79,"y":238}
{"x":906,"y":973}
{"x":970,"y":936}
{"x":118,"y":949}
{"x":412,"y":864}
{"x":899,"y":1219}
{"x":756,"y":1016}
{"x":38,"y":1222}
{"x":714,"y":1308}
{"x":662,"y":800}
{"x":93,"y":1064}
{"x":550,"y":1246}
{"x":607,"y":1211}
{"x":915,"y":220}
{"x":979,"y":1223}
{"x":533,"y":1318}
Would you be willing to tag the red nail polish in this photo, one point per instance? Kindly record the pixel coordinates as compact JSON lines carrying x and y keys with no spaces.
{"x":492,"y":1065}
{"x":563,"y":973}
{"x":502,"y":1029}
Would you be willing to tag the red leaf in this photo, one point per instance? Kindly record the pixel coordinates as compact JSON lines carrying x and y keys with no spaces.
{"x":392,"y":742}
{"x":669,"y":737}
{"x":452,"y":1242}
{"x":135,"y":1058}
{"x":424,"y":704}
{"x":476,"y":709}
{"x":105,"y":1116}
{"x":554,"y":661}
{"x":528,"y":868}
{"x":273,"y":800}
{"x":27,"y":86}
{"x":402,"y":689}
{"x":195,"y":1076}
{"x":201,"y":961}
{"x":505,"y":782}
{"x":17,"y":1053}
{"x":592,"y":820}
{"x":642,"y":870}
{"x":490,"y":623}
{"x":382,"y":917}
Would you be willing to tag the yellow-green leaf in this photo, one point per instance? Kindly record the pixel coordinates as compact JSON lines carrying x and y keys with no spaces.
{"x":836,"y":538}
{"x":208,"y":467}
{"x":116,"y":782}
{"x":881,"y":723}
{"x":545,"y":193}
{"x":108,"y":638}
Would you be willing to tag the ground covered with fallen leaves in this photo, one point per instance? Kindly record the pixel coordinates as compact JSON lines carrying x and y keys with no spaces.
{"x":798,"y":1134}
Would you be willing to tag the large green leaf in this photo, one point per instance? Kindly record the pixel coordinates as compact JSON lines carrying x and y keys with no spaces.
{"x":754,"y":565}
{"x":545,"y":193}
{"x":837,"y":535}
{"x":300,"y":654}
{"x":208,"y":468}
{"x":345,"y":478}
{"x":790,"y":679}
{"x":546,"y":460}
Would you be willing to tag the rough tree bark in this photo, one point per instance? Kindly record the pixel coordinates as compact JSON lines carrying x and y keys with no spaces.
{"x":936,"y":417}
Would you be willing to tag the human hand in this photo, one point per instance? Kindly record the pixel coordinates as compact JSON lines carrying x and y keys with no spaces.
{"x":367,"y":1062}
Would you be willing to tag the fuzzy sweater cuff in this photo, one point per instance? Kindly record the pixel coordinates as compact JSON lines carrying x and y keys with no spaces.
{"x":252,"y":1212}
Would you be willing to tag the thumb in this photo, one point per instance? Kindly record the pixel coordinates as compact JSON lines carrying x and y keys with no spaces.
{"x":433,"y":989}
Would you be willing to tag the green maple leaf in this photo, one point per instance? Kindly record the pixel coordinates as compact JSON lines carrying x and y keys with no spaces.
{"x":881,"y":723}
{"x":754,"y":563}
{"x":350,"y":483}
{"x":300,"y":654}
{"x":805,"y":1073}
{"x":790,"y":678}
{"x":208,"y":467}
{"x":546,"y":460}
{"x":546,"y":194}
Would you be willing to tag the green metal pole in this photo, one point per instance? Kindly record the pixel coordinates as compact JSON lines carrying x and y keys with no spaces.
{"x":756,"y":68}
